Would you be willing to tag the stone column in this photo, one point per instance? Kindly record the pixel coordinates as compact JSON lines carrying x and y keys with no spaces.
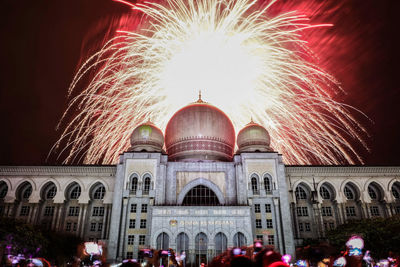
{"x":278,"y":232}
{"x":82,"y":219}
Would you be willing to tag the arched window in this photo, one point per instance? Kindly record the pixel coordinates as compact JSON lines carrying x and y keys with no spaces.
{"x":371,"y":192}
{"x":99,"y":192}
{"x":348,"y":192}
{"x":3,"y":190}
{"x":254,"y":185}
{"x":324,"y":192}
{"x":396,"y":191}
{"x":146,"y":186}
{"x":221,"y":242}
{"x":239,"y":240}
{"x":182,"y":243}
{"x":267,"y":184}
{"x":162,"y":241}
{"x":134,"y":184}
{"x":201,"y":242}
{"x":300,"y":193}
{"x":200,"y":196}
{"x":50,"y":191}
{"x":26,"y":191}
{"x":75,"y":191}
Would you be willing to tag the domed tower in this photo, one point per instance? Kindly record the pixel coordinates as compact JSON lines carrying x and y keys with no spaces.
{"x":200,"y":131}
{"x":253,"y":138}
{"x":147,"y":137}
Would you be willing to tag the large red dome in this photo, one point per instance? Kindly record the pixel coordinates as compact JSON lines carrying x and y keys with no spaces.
{"x":200,"y":131}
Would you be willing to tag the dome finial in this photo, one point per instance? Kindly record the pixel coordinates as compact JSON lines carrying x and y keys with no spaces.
{"x":199,"y":100}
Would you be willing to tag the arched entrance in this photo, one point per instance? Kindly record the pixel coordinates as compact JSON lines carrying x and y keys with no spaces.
{"x":201,"y":244}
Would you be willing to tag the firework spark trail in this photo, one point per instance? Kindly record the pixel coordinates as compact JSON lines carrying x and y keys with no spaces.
{"x":246,"y":62}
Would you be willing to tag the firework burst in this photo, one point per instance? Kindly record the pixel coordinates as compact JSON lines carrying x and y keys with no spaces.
{"x":245,"y":61}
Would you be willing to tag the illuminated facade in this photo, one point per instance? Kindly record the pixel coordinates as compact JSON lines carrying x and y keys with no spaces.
{"x":198,"y":196}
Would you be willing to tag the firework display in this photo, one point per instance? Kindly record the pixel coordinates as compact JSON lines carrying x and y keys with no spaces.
{"x":246,"y":61}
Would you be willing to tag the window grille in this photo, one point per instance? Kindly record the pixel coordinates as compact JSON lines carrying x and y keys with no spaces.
{"x":129,"y":255}
{"x":258,"y":223}
{"x":331,"y":225}
{"x":27,"y":192}
{"x":300,"y":193}
{"x":48,"y":211}
{"x":133,"y":208}
{"x":200,"y":196}
{"x":73,"y":211}
{"x":301,"y":228}
{"x":93,"y":227}
{"x":307,"y":226}
{"x":51,"y":192}
{"x":75,"y":226}
{"x":350,"y":211}
{"x":100,"y":227}
{"x":144,"y":208}
{"x":348,"y":193}
{"x":326,"y":211}
{"x":324,"y":192}
{"x":142,"y":224}
{"x":25,"y":210}
{"x":68,"y":226}
{"x":302,"y":211}
{"x":142,"y":239}
{"x":146,"y":186}
{"x":257,"y":208}
{"x":131,"y":239}
{"x":267,"y":185}
{"x":75,"y":192}
{"x":267,"y":208}
{"x":134,"y":185}
{"x":374,"y":210}
{"x":98,"y":211}
{"x":269,"y":224}
{"x":271,"y":240}
{"x":100,"y":192}
{"x":254,"y":186}
{"x":132,"y":223}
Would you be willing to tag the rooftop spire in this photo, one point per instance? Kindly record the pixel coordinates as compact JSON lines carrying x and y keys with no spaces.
{"x":199,"y":100}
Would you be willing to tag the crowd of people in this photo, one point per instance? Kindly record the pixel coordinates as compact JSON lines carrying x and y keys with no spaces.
{"x":255,"y":255}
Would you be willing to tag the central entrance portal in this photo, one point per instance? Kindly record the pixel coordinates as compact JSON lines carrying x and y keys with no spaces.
{"x":201,"y":243}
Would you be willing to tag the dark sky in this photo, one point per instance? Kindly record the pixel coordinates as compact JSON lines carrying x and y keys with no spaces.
{"x":42,"y":43}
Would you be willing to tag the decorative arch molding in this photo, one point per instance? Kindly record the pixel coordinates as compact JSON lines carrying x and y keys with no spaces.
{"x":204,"y":182}
{"x":328,"y":184}
{"x":145,"y":175}
{"x":70,"y":183}
{"x":305,"y":183}
{"x":353,"y":184}
{"x":245,"y":233}
{"x":377,"y":185}
{"x":172,"y":237}
{"x":17,"y":188}
{"x":8,"y":183}
{"x":95,"y":182}
{"x":76,"y":180}
{"x":255,"y":175}
{"x":50,"y":180}
{"x":392,"y":182}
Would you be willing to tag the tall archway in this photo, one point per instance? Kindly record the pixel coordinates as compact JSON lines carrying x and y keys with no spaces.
{"x":239,"y":240}
{"x":200,"y":246}
{"x":200,"y":196}
{"x":221,"y":243}
{"x":162,"y":241}
{"x":182,"y":243}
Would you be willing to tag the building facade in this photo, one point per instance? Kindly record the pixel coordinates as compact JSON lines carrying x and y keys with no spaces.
{"x":199,"y":196}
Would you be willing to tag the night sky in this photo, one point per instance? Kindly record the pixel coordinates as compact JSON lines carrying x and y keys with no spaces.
{"x":43,"y":43}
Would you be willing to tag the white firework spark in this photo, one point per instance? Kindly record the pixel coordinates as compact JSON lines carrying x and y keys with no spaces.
{"x":246,"y":62}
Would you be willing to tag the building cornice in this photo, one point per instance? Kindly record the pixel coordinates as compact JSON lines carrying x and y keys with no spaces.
{"x":58,"y":170}
{"x":346,"y":170}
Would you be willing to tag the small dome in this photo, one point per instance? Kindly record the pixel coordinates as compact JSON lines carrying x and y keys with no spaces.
{"x":147,"y":137}
{"x":200,"y":131}
{"x":253,"y":138}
